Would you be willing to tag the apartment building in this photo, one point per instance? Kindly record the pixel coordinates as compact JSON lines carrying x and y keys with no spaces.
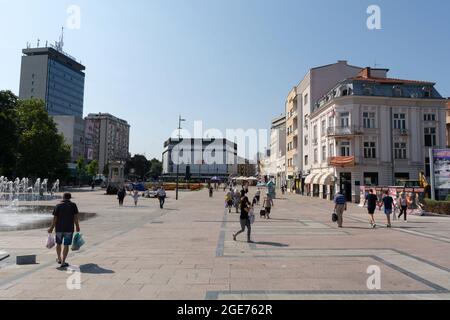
{"x":107,"y":139}
{"x":292,"y":147}
{"x":371,"y":130}
{"x":448,"y":123}
{"x":299,"y":106}
{"x":275,"y":161}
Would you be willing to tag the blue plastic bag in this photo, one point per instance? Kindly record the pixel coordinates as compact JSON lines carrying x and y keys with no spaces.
{"x":78,"y":242}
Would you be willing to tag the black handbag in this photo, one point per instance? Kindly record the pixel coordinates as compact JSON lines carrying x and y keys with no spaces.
{"x":334,"y":217}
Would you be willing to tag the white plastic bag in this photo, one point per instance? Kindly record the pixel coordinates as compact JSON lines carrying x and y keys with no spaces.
{"x":251,"y":216}
{"x":50,"y":241}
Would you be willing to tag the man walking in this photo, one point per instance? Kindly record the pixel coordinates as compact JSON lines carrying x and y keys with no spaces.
{"x":372,"y":200}
{"x":161,"y":194}
{"x":340,"y":206}
{"x":388,"y":202}
{"x":121,"y":196}
{"x":65,"y":217}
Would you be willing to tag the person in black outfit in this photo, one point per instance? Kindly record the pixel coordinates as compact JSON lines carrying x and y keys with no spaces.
{"x":65,"y":219}
{"x":121,"y":196}
{"x":372,"y":200}
{"x":245,"y":220}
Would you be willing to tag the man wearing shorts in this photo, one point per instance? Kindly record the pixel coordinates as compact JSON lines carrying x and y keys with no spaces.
{"x":372,"y":200}
{"x":65,"y":217}
{"x":388,"y":206}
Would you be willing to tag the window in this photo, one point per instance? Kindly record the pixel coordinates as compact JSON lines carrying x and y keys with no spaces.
{"x":371,"y":179}
{"x":400,"y":150}
{"x":398,"y":92}
{"x":369,"y":120}
{"x":367,"y":91}
{"x":400,"y":121}
{"x":429,"y":117}
{"x":331,"y":121}
{"x":324,"y":154}
{"x":316,"y":156}
{"x":370,"y":150}
{"x":427,"y":92}
{"x":315,"y":134}
{"x":324,"y":128}
{"x":306,"y":140}
{"x":345,"y":119}
{"x":430,"y":137}
{"x":401,"y":178}
{"x":306,"y":99}
{"x":331,"y":150}
{"x":306,"y":160}
{"x":345,"y":149}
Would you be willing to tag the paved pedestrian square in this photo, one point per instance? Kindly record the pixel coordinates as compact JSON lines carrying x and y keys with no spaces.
{"x":186,"y":251}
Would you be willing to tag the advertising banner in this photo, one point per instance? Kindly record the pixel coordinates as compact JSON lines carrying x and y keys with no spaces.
{"x":441,"y":161}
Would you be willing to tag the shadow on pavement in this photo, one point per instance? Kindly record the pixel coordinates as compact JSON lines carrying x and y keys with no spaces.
{"x":94,"y":269}
{"x":273,"y":244}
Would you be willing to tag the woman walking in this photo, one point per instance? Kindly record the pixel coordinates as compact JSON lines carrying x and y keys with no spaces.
{"x":403,"y":203}
{"x":245,"y":220}
{"x":229,"y":201}
{"x":135,"y":197}
{"x":268,"y":204}
{"x":372,"y":200}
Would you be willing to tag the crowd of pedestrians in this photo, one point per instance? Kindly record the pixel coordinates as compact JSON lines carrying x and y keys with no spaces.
{"x":386,"y":203}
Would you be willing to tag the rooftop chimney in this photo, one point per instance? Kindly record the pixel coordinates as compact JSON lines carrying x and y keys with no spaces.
{"x":365,"y":73}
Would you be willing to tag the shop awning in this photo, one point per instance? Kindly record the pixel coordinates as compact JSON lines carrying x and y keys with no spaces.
{"x":327,"y":179}
{"x":309,"y":179}
{"x":317,"y":178}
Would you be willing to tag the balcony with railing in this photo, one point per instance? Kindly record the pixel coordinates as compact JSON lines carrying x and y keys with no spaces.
{"x":345,"y":131}
{"x":342,"y":162}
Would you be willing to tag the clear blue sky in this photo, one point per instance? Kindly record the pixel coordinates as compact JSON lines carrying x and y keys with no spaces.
{"x":230,"y":63}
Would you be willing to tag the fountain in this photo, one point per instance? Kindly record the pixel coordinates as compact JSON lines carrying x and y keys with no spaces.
{"x":20,"y":203}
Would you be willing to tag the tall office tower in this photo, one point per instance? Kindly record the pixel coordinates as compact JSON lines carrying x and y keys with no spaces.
{"x":54,"y":76}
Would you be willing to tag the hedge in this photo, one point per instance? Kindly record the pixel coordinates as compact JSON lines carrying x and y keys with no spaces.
{"x":439,"y":207}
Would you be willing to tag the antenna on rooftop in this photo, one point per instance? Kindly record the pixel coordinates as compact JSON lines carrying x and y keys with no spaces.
{"x":376,"y":65}
{"x":38,"y":41}
{"x":60,"y":44}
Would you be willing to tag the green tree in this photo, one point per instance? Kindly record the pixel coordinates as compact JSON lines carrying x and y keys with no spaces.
{"x":81,"y":169}
{"x":156,"y":169}
{"x":41,"y":150}
{"x":8,"y":133}
{"x":92,"y":168}
{"x":139,"y":164}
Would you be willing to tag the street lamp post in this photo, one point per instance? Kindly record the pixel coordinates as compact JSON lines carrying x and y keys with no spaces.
{"x":178,"y":161}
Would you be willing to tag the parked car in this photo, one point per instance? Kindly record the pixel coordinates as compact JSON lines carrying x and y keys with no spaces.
{"x":150,"y":194}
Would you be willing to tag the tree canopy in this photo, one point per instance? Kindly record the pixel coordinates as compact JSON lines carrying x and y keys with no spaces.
{"x":29,"y":140}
